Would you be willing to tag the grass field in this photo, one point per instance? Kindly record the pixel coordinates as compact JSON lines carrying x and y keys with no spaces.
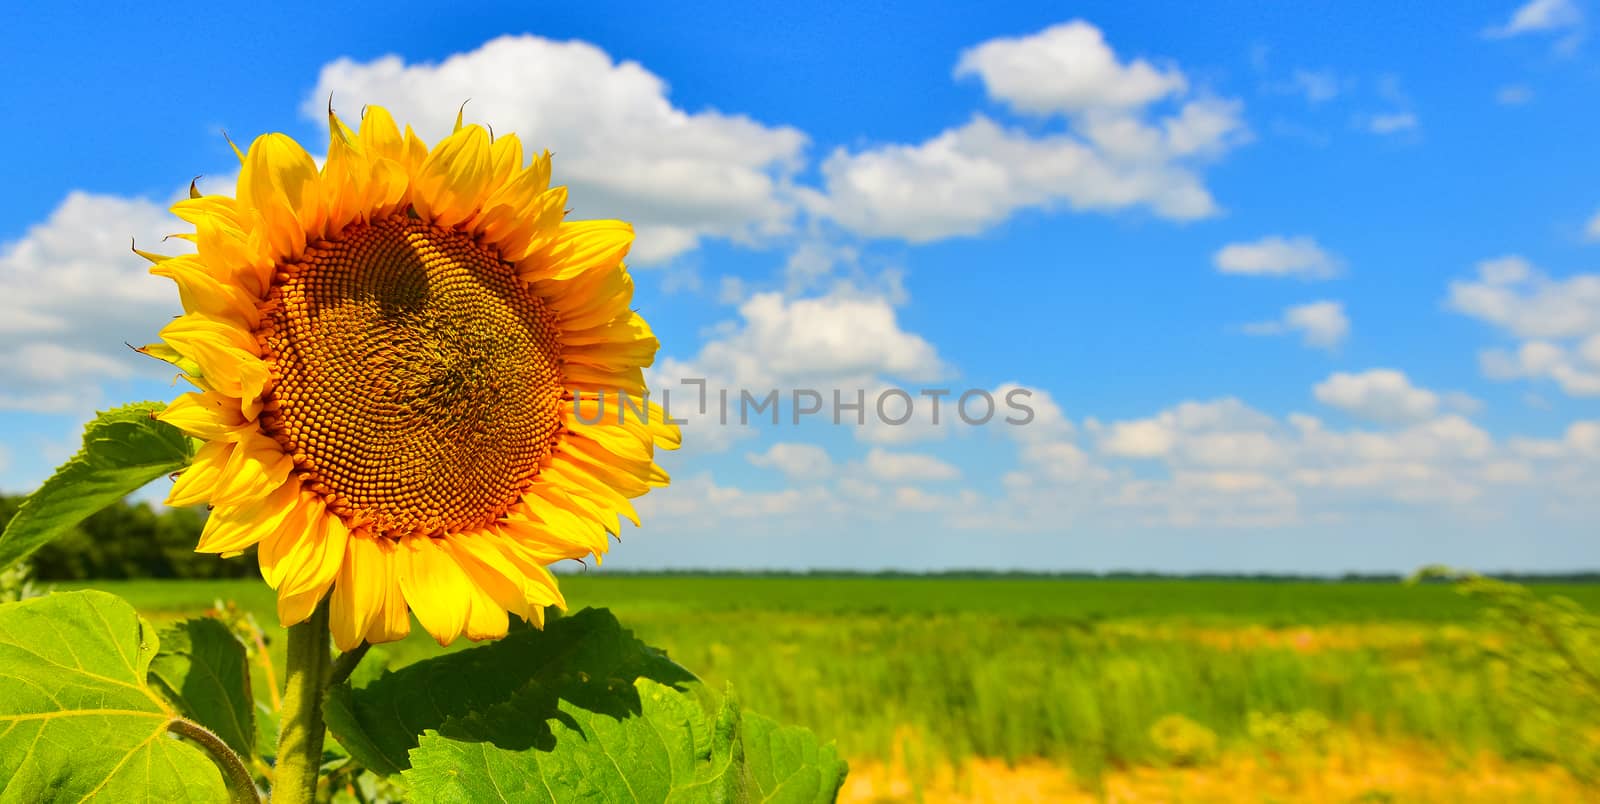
{"x":956,"y":689}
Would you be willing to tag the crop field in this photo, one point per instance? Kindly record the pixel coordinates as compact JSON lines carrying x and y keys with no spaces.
{"x":1011,"y":689}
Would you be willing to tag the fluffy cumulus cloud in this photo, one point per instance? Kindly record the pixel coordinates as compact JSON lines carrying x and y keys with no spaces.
{"x":1539,"y":16}
{"x":1120,"y":134}
{"x":908,"y":466}
{"x":73,"y":295}
{"x":834,"y":340}
{"x":1276,"y":256}
{"x":1213,"y":463}
{"x":1222,"y":463}
{"x":1066,"y":68}
{"x":1380,"y":395}
{"x":1299,"y":462}
{"x":1321,"y":324}
{"x":1555,"y":323}
{"x":845,"y":346}
{"x":619,"y":142}
{"x":795,"y":461}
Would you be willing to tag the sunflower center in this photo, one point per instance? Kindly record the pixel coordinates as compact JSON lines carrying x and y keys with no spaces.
{"x":417,"y":382}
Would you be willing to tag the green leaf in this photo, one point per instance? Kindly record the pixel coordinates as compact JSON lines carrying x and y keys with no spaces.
{"x":787,"y":764}
{"x":203,"y":669}
{"x":77,"y":721}
{"x":587,"y":659}
{"x":663,"y":751}
{"x":123,"y":450}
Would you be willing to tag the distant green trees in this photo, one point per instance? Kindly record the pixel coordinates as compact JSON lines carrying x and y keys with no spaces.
{"x":131,"y":540}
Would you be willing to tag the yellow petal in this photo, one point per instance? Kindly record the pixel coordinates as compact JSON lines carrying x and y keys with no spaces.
{"x":394,"y":619}
{"x":536,"y":542}
{"x":455,"y":180}
{"x":200,"y":292}
{"x":199,"y":480}
{"x":295,"y":609}
{"x":279,"y":183}
{"x":486,"y":618}
{"x":255,"y":468}
{"x":583,"y":246}
{"x":438,"y":592}
{"x":359,"y":590}
{"x":207,"y":415}
{"x":616,"y":440}
{"x":312,"y":561}
{"x":628,"y":380}
{"x":380,"y":137}
{"x":233,"y":528}
{"x":589,"y":299}
{"x":280,"y":543}
{"x":228,"y":357}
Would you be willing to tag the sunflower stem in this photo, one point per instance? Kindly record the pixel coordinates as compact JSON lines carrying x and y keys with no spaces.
{"x":346,"y":663}
{"x":301,"y":730}
{"x":241,"y":785}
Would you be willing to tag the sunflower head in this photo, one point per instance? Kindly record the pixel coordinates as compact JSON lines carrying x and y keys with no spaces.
{"x":418,"y":383}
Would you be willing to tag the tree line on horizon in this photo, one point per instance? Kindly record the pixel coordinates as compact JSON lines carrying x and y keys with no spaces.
{"x":130,"y":540}
{"x":137,"y":540}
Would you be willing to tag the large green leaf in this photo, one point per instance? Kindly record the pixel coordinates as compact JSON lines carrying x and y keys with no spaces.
{"x":123,"y":449}
{"x":664,"y":751}
{"x":203,"y":669}
{"x":787,"y":764}
{"x":77,"y":721}
{"x":587,"y":659}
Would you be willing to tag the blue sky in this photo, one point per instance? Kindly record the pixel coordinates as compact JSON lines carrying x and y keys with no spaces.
{"x":1309,"y":287}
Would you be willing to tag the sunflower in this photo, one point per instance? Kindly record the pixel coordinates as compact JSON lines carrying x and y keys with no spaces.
{"x":403,"y":361}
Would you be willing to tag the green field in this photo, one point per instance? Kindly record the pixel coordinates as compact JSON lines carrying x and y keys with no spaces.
{"x":1072,"y":671}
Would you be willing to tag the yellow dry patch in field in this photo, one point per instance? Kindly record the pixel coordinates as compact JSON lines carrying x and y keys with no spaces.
{"x":1348,"y":772}
{"x":1305,"y":639}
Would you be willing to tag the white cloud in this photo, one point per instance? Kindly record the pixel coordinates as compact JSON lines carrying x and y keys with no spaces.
{"x":1581,"y":440}
{"x":1539,"y":16}
{"x":971,"y":178}
{"x":1591,"y":231}
{"x":1400,"y":118}
{"x":1509,"y":293}
{"x":699,"y":499}
{"x":1298,"y":463}
{"x":1392,"y":123}
{"x":1048,"y":421}
{"x":1059,"y":462}
{"x":795,"y":461}
{"x":1144,"y":438}
{"x":1210,"y":464}
{"x":1277,"y":256}
{"x":846,"y":342}
{"x":1380,"y":395}
{"x":1575,"y":370}
{"x":1065,"y":69}
{"x":904,"y":466}
{"x":1317,"y":86}
{"x":1023,"y":414}
{"x":1214,"y":433}
{"x":837,"y":340}
{"x":1117,"y":149}
{"x":619,"y":142}
{"x":73,"y":294}
{"x":1321,"y":324}
{"x":908,"y":498}
{"x":1513,"y":95}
